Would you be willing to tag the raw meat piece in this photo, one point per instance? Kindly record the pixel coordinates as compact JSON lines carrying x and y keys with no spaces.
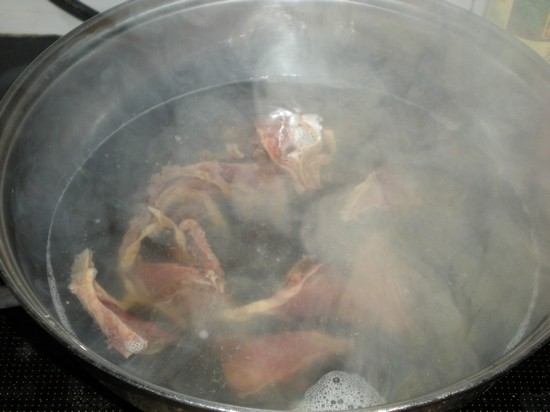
{"x":310,"y":292}
{"x":126,"y":334}
{"x":253,"y":364}
{"x":297,"y":144}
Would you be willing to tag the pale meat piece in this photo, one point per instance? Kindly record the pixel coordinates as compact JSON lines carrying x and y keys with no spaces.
{"x":205,"y":173}
{"x":254,"y":364}
{"x":406,"y":320}
{"x":258,"y":194}
{"x":317,"y":297}
{"x":157,"y":337}
{"x":140,"y":227}
{"x":151,"y":225}
{"x":185,"y":291}
{"x":184,"y":294}
{"x":254,"y":191}
{"x":398,"y":187}
{"x":161,"y":280}
{"x":382,"y":190}
{"x":376,"y":293}
{"x":190,"y":244}
{"x":311,"y":291}
{"x":199,"y":253}
{"x":189,"y":192}
{"x":124,"y":333}
{"x":297,"y":144}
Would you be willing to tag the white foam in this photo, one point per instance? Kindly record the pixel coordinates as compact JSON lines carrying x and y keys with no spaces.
{"x":136,"y":345}
{"x":339,"y":391}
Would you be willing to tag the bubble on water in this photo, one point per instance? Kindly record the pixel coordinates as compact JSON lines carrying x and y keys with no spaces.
{"x":136,"y":345}
{"x":337,"y":391}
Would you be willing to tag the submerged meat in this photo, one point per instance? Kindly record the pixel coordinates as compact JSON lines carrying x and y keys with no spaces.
{"x":297,"y":144}
{"x":317,"y":296}
{"x":126,"y":334}
{"x":400,"y":256}
{"x":310,"y":291}
{"x":376,"y":292}
{"x":397,"y":187}
{"x":204,"y":191}
{"x":255,"y":364}
{"x":379,"y":191}
{"x":151,"y":224}
{"x":190,"y":192}
{"x":187,"y":289}
{"x":406,"y":318}
{"x":183,"y":294}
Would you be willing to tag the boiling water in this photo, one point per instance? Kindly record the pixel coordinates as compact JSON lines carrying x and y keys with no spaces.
{"x":462,"y":246}
{"x":337,"y":391}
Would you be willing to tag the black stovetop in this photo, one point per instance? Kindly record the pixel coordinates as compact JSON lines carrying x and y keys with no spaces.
{"x":38,"y":374}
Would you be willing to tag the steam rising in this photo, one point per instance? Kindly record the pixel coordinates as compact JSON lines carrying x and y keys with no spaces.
{"x":447,"y":228}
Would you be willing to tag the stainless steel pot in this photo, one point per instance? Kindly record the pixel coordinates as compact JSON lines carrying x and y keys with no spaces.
{"x":423,"y":70}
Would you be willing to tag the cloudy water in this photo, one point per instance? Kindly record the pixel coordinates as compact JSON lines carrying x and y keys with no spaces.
{"x":391,"y":269}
